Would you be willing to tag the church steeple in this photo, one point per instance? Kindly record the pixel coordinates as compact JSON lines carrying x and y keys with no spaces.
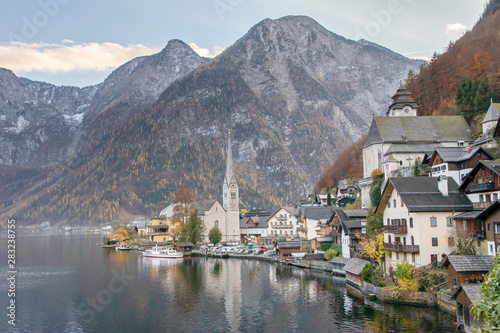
{"x":229,"y":162}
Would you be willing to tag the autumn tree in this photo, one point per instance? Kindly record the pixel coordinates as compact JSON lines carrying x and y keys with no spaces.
{"x":372,"y":247}
{"x":183,"y":200}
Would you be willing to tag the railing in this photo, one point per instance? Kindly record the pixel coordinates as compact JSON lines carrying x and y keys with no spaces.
{"x":299,"y":229}
{"x":282,"y":226}
{"x":482,"y":187}
{"x":396,"y":229}
{"x":401,"y":248}
{"x":480,"y":235}
{"x":482,"y":205}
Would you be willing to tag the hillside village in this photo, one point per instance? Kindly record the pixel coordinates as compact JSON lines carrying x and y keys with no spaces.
{"x":431,"y":187}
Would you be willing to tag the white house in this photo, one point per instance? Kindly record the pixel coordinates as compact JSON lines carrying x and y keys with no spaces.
{"x":283,"y":223}
{"x":418,"y":218}
{"x":313,"y":217}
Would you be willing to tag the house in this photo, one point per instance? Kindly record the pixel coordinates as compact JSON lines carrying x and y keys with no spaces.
{"x":345,"y":201}
{"x":347,"y":190}
{"x":160,"y":229}
{"x":482,"y":184}
{"x":491,"y":221}
{"x":347,"y":225}
{"x":254,"y":228}
{"x":285,"y":249}
{"x":139,"y":225}
{"x":468,"y":224}
{"x":321,"y":199}
{"x":465,"y":296}
{"x":456,"y":162}
{"x":314,"y":219}
{"x":283,"y":223}
{"x":490,"y":127}
{"x":401,"y":138}
{"x":466,"y":269}
{"x":353,"y":269}
{"x":418,"y":216}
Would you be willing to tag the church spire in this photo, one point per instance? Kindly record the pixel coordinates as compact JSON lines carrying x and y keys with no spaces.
{"x":229,"y":165}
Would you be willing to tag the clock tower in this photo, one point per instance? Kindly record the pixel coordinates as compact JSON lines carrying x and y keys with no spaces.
{"x":231,"y":200}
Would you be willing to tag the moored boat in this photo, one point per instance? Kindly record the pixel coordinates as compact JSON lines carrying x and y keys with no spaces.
{"x":162,"y":252}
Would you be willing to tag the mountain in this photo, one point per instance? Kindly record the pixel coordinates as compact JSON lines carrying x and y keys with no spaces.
{"x":38,"y":121}
{"x":43,"y":125}
{"x":291,"y":93}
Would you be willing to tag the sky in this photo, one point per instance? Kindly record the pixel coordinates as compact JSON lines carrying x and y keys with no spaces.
{"x":80,"y":42}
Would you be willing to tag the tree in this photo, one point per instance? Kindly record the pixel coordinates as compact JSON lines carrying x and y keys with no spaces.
{"x":489,"y":306}
{"x":417,"y":168}
{"x":330,"y":254}
{"x":215,"y":235}
{"x":191,"y":231}
{"x":463,"y":242}
{"x":374,"y":223}
{"x":376,"y":187}
{"x":372,"y":247}
{"x":306,"y":249}
{"x":329,"y":199}
{"x":183,"y":199}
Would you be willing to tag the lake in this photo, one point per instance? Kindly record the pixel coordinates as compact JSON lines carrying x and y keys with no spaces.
{"x":68,"y":283}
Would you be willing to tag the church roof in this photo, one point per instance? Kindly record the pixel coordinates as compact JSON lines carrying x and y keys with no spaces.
{"x":493,"y":113}
{"x":203,"y":206}
{"x":422,"y":130}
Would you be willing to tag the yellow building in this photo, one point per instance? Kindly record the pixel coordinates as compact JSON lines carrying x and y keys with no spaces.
{"x":159,"y":229}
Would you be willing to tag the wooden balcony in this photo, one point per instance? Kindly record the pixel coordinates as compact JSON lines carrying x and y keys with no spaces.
{"x":481,"y":205}
{"x":402,"y":248}
{"x":482,"y":187}
{"x":396,"y":229}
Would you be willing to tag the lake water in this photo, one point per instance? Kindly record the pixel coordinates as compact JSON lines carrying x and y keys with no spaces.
{"x":67,"y":283}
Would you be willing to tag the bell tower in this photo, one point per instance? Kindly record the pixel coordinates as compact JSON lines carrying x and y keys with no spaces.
{"x":231,"y":199}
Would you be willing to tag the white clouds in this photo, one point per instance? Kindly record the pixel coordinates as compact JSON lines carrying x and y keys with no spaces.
{"x":68,"y":56}
{"x":204,"y":52}
{"x":455,"y":28}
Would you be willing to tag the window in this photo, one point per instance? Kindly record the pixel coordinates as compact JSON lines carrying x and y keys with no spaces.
{"x":412,"y":240}
{"x":448,"y":221}
{"x":404,"y":256}
{"x":411,"y":222}
{"x":390,"y":255}
{"x":464,"y":222}
{"x":455,"y":282}
{"x":388,"y":221}
{"x":434,"y":241}
{"x":402,"y":204}
{"x":217,"y":223}
{"x":481,"y":198}
{"x":390,"y":239}
{"x":413,"y":257}
{"x":403,"y":221}
{"x":434,"y":222}
{"x":497,"y":228}
{"x":397,"y":255}
{"x":495,"y":196}
{"x":389,"y":204}
{"x":489,"y":226}
{"x":394,"y":202}
{"x":487,"y":197}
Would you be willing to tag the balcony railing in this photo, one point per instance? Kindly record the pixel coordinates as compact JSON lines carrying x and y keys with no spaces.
{"x":401,"y":248}
{"x":482,"y":187}
{"x":396,"y":229}
{"x":479,"y":235}
{"x":286,"y":226}
{"x":299,"y":229}
{"x":481,"y":205}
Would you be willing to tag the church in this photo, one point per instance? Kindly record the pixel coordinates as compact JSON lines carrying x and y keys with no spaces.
{"x":402,"y":137}
{"x":226,"y":217}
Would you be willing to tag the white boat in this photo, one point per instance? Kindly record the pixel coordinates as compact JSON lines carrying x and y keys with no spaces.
{"x":123,"y":248}
{"x":162,"y":252}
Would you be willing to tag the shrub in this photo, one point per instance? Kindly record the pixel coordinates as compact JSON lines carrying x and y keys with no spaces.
{"x":325,"y":246}
{"x":373,"y":275}
{"x":403,"y":270}
{"x":427,"y":279}
{"x":330,"y":254}
{"x":337,"y":248}
{"x":306,"y":249}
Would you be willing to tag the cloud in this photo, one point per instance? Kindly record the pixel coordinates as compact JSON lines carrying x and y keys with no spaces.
{"x":205,"y":52}
{"x":67,"y":57}
{"x":455,"y":28}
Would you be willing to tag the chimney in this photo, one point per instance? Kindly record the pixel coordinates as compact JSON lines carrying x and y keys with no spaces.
{"x":443,"y":185}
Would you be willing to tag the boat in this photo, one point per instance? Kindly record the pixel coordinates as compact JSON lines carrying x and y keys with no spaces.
{"x":124,"y":248}
{"x":162,"y":252}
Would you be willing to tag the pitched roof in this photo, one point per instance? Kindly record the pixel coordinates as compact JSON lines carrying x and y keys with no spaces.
{"x":421,"y":194}
{"x":456,"y":154}
{"x":412,"y":148}
{"x":260,"y":221}
{"x":493,"y":208}
{"x":318,"y":212}
{"x":472,"y":215}
{"x":493,"y":166}
{"x":433,"y":129}
{"x":355,"y":266}
{"x":493,"y":113}
{"x":470,"y":263}
{"x":203,"y":206}
{"x":293,"y":244}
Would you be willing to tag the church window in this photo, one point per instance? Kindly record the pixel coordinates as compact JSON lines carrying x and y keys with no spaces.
{"x":217,"y":223}
{"x":233,"y":195}
{"x":379,"y":156}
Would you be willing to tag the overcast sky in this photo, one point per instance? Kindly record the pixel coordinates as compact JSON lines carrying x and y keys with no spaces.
{"x":79,"y":42}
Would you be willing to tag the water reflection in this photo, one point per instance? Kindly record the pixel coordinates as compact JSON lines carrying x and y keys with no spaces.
{"x":194,"y":295}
